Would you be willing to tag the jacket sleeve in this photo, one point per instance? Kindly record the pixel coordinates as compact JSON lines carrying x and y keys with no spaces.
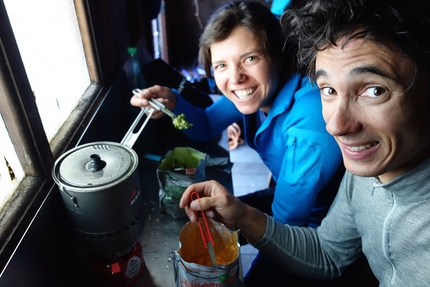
{"x":311,"y":159}
{"x":322,"y":252}
{"x":209,"y":122}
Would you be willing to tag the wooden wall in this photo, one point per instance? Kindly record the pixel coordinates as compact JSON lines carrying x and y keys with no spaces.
{"x":183,"y":27}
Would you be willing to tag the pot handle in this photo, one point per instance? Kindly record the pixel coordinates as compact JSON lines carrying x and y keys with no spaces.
{"x":131,"y":136}
{"x":72,"y":198}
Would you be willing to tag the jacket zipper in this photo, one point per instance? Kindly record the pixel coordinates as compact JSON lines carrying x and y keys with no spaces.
{"x":384,"y":240}
{"x":294,"y":155}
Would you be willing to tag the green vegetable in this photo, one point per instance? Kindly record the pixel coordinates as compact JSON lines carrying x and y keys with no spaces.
{"x":181,"y":123}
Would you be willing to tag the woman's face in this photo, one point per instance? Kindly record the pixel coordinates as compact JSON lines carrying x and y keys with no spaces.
{"x":243,"y":73}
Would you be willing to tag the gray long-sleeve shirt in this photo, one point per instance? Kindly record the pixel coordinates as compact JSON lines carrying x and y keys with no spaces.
{"x":390,"y":222}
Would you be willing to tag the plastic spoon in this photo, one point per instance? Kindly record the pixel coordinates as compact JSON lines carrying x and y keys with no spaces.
{"x":206,"y":235}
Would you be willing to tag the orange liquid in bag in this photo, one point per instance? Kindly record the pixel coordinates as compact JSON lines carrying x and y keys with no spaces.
{"x":225,"y":244}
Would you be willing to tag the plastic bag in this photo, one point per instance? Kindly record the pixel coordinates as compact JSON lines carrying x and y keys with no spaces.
{"x":180,"y":168}
{"x":192,"y":264}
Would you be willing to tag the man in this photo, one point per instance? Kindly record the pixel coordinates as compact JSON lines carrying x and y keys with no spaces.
{"x":370,"y":60}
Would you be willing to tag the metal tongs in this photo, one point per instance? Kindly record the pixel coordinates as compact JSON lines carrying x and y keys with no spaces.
{"x":206,"y":236}
{"x":157,"y":105}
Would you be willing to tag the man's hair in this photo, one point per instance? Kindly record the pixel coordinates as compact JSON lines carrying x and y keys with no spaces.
{"x":321,"y":23}
{"x":253,"y":16}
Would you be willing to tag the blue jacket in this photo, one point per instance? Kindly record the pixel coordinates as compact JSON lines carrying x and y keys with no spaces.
{"x":291,"y":140}
{"x":278,"y":7}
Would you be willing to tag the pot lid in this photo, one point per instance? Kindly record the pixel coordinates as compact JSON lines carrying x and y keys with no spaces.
{"x":95,"y":164}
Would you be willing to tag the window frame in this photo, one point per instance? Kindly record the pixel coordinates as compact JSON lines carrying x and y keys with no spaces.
{"x":19,"y":110}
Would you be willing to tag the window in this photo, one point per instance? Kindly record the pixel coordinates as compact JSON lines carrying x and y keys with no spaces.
{"x":48,"y":68}
{"x":9,"y":177}
{"x":51,"y":49}
{"x":52,"y":53}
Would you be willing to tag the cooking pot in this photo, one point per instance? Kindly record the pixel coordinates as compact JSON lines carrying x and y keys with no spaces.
{"x":100,"y":188}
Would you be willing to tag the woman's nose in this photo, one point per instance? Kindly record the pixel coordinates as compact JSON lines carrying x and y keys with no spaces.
{"x":238,"y":75}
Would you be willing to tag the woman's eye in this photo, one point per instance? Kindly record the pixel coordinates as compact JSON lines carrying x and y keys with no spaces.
{"x":374,"y":92}
{"x":219,"y":66}
{"x":327,"y":91}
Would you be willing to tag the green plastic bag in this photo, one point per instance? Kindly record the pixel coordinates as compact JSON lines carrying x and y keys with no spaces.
{"x":180,"y":168}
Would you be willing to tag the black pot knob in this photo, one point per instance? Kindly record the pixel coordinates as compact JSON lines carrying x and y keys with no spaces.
{"x":96,"y":163}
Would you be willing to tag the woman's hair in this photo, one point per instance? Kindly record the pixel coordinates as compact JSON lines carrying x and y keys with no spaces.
{"x":253,"y":16}
{"x":322,"y":23}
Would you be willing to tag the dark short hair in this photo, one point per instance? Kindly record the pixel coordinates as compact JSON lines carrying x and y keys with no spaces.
{"x":321,"y":23}
{"x":253,"y":16}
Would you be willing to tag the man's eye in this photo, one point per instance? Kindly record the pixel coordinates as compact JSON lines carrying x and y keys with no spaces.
{"x":374,"y":92}
{"x":250,"y":58}
{"x":327,"y":91}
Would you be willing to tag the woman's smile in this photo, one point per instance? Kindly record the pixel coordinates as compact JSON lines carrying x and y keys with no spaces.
{"x":244,"y":94}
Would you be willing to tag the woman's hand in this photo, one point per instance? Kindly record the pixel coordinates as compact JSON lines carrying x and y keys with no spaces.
{"x":224,"y":207}
{"x":160,"y":93}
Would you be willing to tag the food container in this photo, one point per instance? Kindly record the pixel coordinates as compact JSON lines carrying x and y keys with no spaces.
{"x":193,"y":265}
{"x":180,"y":168}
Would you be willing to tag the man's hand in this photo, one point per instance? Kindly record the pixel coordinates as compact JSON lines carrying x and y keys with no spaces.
{"x":221,"y":205}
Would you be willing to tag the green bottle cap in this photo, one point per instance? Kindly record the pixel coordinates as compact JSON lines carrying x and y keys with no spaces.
{"x":132,"y":51}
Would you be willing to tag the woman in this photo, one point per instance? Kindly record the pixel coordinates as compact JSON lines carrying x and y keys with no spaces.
{"x":244,"y":49}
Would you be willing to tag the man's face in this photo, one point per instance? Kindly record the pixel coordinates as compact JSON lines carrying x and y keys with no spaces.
{"x":379,"y":120}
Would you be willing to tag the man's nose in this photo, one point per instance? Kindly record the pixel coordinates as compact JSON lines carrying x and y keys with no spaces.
{"x":341,"y":117}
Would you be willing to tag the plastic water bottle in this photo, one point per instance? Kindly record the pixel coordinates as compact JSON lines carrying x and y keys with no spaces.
{"x":134,"y":75}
